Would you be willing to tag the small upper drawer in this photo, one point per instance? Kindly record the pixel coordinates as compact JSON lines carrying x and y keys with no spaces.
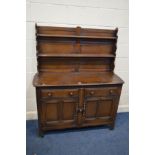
{"x":102,"y":91}
{"x":59,"y":93}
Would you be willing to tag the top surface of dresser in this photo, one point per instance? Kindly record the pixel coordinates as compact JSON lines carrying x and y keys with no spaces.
{"x":76,"y":79}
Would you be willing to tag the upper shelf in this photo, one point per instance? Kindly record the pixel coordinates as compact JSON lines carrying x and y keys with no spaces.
{"x":75,"y":36}
{"x":77,"y":55}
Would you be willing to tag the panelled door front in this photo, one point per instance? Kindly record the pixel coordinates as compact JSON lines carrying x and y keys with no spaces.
{"x":59,"y":107}
{"x":77,"y":107}
{"x":59,"y":113}
{"x":99,"y":110}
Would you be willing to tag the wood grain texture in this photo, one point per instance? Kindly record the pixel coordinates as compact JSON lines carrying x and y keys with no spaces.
{"x":75,"y":83}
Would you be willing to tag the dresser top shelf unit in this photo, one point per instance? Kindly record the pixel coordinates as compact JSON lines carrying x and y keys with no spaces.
{"x":85,"y":58}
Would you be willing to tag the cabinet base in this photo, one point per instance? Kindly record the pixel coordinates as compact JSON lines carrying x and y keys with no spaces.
{"x":41,"y":133}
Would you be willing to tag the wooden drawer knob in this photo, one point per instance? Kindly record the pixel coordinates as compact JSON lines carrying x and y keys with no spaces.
{"x":111,"y":92}
{"x":49,"y":94}
{"x":92,"y":93}
{"x":79,"y":82}
{"x":71,"y":93}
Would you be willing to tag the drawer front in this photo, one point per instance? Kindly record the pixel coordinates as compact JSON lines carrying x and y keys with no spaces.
{"x":97,"y":92}
{"x":46,"y":93}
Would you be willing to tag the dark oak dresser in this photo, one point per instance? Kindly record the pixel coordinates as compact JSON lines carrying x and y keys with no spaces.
{"x":76,"y":85}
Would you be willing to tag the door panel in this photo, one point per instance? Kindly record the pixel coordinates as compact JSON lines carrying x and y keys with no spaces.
{"x":91,"y":108}
{"x":99,"y":110}
{"x":60,"y":112}
{"x":69,"y":110}
{"x":104,"y":108}
{"x":51,"y":112}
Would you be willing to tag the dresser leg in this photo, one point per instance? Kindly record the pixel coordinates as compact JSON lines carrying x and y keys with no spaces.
{"x":112,"y":126}
{"x":41,"y":133}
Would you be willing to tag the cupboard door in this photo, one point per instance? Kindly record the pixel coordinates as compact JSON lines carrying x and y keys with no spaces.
{"x":99,"y":110}
{"x":60,"y":113}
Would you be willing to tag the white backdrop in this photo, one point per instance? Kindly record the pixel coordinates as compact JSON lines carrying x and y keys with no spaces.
{"x":85,"y":13}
